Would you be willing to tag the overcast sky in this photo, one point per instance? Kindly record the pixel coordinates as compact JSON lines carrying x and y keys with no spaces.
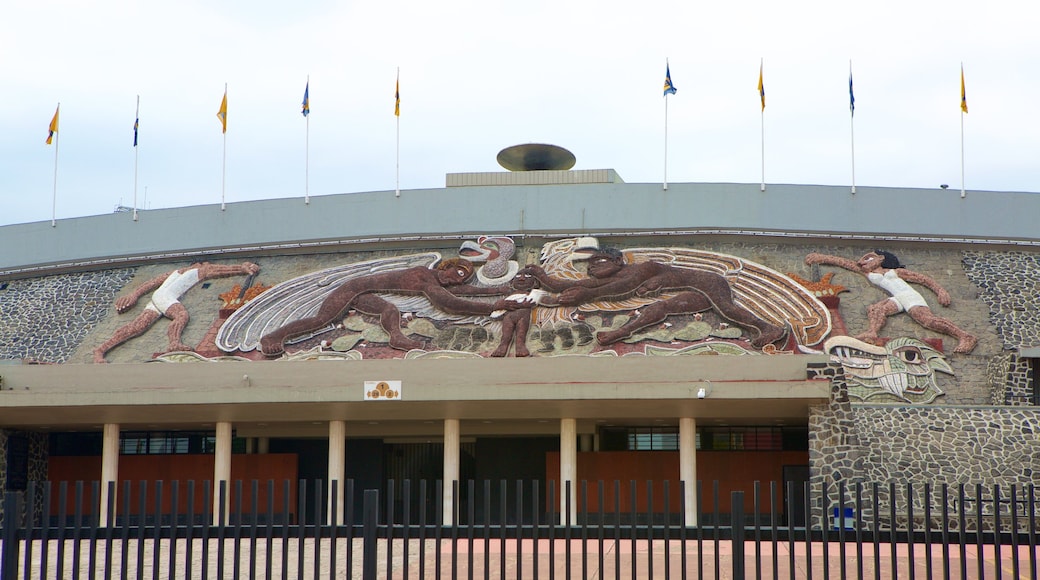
{"x":480,"y":75}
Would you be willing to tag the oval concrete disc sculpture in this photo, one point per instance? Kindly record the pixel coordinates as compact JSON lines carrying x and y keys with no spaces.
{"x":536,"y":157}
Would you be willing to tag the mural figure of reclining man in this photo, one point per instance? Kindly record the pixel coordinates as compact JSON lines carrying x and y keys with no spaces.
{"x":884,"y":270}
{"x":441,"y":285}
{"x":165,"y":301}
{"x":610,"y":277}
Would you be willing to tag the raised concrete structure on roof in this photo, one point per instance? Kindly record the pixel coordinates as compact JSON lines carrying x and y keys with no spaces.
{"x":531,"y":210}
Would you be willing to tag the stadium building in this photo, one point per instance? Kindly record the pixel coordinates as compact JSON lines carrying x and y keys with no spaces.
{"x":541,"y":324}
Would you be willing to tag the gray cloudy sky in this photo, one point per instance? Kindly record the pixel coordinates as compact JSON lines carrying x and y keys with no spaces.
{"x":480,"y":75}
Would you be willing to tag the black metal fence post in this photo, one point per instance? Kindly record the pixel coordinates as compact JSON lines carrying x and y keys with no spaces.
{"x":9,"y":559}
{"x":737,"y":524}
{"x":370,"y":520}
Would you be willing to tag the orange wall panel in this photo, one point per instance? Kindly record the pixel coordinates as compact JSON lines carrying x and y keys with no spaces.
{"x":181,"y":468}
{"x":734,"y":470}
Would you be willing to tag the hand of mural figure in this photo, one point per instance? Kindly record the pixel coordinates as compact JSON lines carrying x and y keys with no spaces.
{"x":574,"y":296}
{"x":250,"y":268}
{"x":814,"y":258}
{"x":943,"y":296}
{"x":504,"y":304}
{"x":124,"y":303}
{"x":533,"y":270}
{"x":649,"y":288}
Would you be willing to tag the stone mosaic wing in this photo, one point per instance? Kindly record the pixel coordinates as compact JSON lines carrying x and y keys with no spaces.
{"x":301,"y":297}
{"x":769,"y":294}
{"x":420,"y":306}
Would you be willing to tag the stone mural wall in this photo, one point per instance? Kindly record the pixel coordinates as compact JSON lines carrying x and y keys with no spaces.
{"x":1009,"y":284}
{"x":957,"y":438}
{"x":46,"y":319}
{"x":65,"y":318}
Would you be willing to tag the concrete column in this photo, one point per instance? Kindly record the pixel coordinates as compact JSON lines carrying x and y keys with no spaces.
{"x":109,"y":470}
{"x":569,"y":469}
{"x":688,"y":466}
{"x":451,"y":467}
{"x":263,"y":445}
{"x":222,"y":471}
{"x":250,"y":445}
{"x":337,"y":467}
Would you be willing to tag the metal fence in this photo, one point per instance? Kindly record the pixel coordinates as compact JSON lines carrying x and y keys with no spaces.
{"x":516,"y":530}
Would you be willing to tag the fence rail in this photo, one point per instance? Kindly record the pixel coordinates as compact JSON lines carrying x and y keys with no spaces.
{"x":516,"y":530}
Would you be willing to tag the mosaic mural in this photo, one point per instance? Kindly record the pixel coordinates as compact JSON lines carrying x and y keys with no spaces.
{"x":580,"y":296}
{"x":573,"y":297}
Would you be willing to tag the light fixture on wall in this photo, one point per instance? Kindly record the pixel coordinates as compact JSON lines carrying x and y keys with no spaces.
{"x":704,"y":391}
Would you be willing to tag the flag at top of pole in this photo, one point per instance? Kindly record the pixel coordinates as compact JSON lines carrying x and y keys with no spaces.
{"x":222,"y":113}
{"x":669,"y":88}
{"x":852,"y":97}
{"x":761,"y":87}
{"x":964,"y":96}
{"x":397,"y":97}
{"x":306,"y":100}
{"x":53,"y":127}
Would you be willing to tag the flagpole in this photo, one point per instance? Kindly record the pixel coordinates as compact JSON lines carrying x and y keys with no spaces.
{"x":962,"y":155}
{"x":397,"y":114}
{"x":54,"y":200}
{"x":964,"y":110}
{"x":307,"y":150}
{"x":223,"y":166}
{"x":763,"y":186}
{"x":669,"y":89}
{"x":665,"y":183}
{"x":762,"y":94}
{"x":852,"y":127}
{"x":137,"y":118}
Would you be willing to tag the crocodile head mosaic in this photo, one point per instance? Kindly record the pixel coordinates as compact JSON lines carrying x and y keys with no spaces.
{"x":902,"y":371}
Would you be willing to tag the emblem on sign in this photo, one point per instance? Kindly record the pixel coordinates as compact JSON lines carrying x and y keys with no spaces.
{"x":382,"y":390}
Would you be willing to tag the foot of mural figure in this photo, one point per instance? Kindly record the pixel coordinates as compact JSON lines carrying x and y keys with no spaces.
{"x":769,"y":335}
{"x":402,"y":342}
{"x":271,"y":346}
{"x":179,"y":347}
{"x":605,"y":337}
{"x":99,"y":357}
{"x":966,"y":344}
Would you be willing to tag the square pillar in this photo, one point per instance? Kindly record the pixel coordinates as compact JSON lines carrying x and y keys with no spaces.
{"x":222,"y":472}
{"x":337,"y":468}
{"x":451,"y":468}
{"x":688,"y":466}
{"x":569,"y":471}
{"x":109,"y":472}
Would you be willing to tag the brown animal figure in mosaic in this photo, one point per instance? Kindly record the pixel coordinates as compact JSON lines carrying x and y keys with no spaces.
{"x":441,"y":285}
{"x":611,"y":278}
{"x":165,"y":301}
{"x":883,"y":269}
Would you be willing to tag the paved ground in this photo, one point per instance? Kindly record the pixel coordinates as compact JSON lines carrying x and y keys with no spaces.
{"x":523,"y":560}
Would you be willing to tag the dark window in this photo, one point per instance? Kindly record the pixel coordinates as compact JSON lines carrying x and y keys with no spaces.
{"x":707,"y":439}
{"x":142,"y":443}
{"x":17,"y":462}
{"x":75,"y":444}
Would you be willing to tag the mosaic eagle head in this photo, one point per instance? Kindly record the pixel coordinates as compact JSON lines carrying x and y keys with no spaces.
{"x":901,"y":371}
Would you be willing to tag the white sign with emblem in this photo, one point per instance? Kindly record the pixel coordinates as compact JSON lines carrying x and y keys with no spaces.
{"x":382,"y":390}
